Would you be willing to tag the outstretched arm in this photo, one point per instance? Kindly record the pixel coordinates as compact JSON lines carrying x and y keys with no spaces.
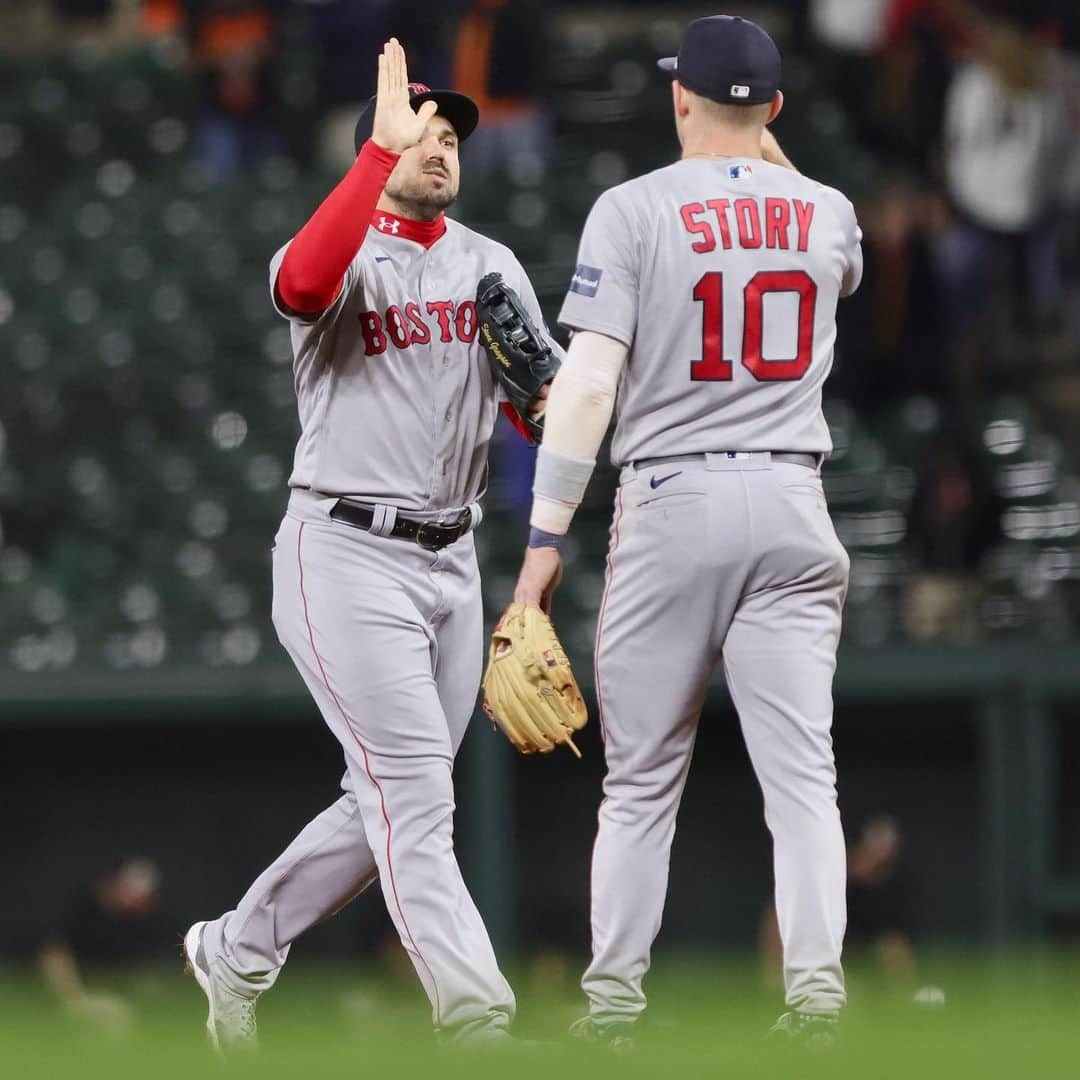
{"x":579,"y":410}
{"x":313,"y":270}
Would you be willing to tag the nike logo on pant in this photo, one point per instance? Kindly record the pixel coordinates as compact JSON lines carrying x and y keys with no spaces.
{"x":656,"y":481}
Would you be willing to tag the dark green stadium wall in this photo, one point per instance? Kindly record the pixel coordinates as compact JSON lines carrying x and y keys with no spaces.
{"x":213,"y":800}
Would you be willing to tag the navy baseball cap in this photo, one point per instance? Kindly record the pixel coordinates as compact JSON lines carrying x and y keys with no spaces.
{"x":727,"y":59}
{"x":459,"y":109}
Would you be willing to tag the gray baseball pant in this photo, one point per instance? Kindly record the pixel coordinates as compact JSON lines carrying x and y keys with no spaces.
{"x":388,"y":639}
{"x":734,"y":561}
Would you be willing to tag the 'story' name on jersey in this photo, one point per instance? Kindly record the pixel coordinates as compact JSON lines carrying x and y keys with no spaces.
{"x":776,"y":224}
{"x":722,"y":278}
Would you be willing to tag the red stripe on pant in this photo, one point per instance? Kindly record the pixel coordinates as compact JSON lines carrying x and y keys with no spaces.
{"x":600,"y":618}
{"x":370,"y":776}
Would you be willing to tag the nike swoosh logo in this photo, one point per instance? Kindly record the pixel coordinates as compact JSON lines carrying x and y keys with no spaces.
{"x":656,"y":481}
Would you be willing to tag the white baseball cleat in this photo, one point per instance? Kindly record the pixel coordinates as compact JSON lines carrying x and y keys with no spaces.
{"x":816,"y":1032}
{"x":616,"y":1035}
{"x":230,"y":1023}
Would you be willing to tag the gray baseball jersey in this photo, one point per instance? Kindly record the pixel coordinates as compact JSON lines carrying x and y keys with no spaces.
{"x":722,"y":275}
{"x":396,"y":398}
{"x":397,"y":404}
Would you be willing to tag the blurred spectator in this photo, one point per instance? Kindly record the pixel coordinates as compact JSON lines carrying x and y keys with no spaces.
{"x":234,"y":42}
{"x":952,"y":524}
{"x":513,"y":463}
{"x":880,"y":905}
{"x":853,"y":27}
{"x":850,"y":35}
{"x":347,"y":36}
{"x":880,"y":900}
{"x":922,"y":38}
{"x":1003,"y":147}
{"x":161,"y":17}
{"x":889,"y":345}
{"x":89,"y":10}
{"x":115,"y":922}
{"x":1069,"y":192}
{"x":108,"y":25}
{"x":499,"y":55}
{"x":953,"y":516}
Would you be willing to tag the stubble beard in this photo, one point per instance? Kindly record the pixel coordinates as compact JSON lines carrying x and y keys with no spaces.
{"x":419,"y":202}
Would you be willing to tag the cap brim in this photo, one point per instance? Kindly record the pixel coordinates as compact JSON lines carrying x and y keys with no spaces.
{"x":669,"y":65}
{"x":459,"y":109}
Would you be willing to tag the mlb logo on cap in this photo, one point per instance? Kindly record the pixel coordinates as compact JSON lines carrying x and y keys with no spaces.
{"x":727,"y":59}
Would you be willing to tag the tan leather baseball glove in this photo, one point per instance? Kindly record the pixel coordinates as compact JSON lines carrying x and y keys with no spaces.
{"x":529,"y":689}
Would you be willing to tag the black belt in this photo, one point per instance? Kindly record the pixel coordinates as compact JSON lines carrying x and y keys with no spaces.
{"x":793,"y":457}
{"x":430,"y":535}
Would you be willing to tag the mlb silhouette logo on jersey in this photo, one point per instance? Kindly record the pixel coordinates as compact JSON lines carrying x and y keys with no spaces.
{"x":586,"y":280}
{"x":739,"y":172}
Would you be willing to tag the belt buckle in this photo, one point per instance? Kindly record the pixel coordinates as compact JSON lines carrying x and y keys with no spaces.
{"x":430,"y":535}
{"x":435,"y":535}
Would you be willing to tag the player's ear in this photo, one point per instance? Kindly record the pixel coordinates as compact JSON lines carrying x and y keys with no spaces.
{"x":681,"y":98}
{"x":777,"y":105}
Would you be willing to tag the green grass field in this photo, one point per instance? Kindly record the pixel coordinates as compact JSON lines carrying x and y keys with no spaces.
{"x":1015,"y":1017}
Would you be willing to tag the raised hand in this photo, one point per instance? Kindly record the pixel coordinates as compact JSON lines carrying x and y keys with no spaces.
{"x":771,"y":152}
{"x":396,"y":125}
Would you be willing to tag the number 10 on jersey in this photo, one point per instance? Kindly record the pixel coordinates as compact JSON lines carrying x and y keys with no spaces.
{"x":709,"y":292}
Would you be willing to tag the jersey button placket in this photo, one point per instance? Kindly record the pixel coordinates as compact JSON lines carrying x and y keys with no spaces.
{"x":443,"y":385}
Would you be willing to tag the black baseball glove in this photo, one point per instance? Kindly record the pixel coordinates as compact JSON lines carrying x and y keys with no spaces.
{"x":520,"y":357}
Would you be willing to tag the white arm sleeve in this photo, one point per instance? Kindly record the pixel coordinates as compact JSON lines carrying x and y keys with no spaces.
{"x":578,"y":412}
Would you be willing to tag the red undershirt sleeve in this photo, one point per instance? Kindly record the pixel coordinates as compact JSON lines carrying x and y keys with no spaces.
{"x":514,"y":417}
{"x":314,"y":266}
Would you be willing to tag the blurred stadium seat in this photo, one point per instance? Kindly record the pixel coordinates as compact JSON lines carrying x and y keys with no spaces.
{"x":147,"y":432}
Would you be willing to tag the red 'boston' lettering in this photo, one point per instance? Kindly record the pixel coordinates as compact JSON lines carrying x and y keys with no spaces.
{"x":804,"y":216}
{"x":397,"y":328}
{"x":720,"y":208}
{"x":746,"y":217}
{"x":465,"y":321}
{"x":442,"y":309}
{"x":420,"y":335}
{"x":372,"y":328}
{"x":700,"y":228}
{"x":777,"y":220}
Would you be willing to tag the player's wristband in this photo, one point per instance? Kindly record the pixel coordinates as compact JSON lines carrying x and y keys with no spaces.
{"x":538,"y":538}
{"x":561,"y":478}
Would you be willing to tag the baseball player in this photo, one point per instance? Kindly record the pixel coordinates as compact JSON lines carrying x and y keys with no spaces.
{"x":376,"y":592}
{"x":704,"y":302}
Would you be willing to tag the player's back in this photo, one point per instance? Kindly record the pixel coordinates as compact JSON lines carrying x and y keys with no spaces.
{"x":723,"y":275}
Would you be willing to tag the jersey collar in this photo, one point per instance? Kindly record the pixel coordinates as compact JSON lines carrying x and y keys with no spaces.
{"x":424,"y":233}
